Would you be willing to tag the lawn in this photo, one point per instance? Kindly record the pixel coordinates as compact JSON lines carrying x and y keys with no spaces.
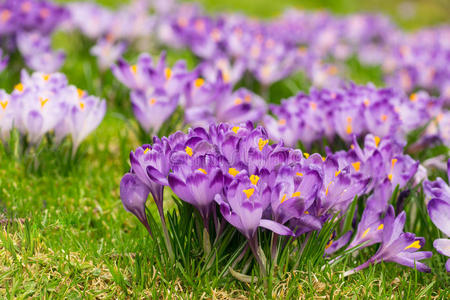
{"x":64,"y":232}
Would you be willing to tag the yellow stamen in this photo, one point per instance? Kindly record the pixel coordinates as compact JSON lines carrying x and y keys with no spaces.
{"x":134,"y":69}
{"x":282,"y":122}
{"x":384,"y":118}
{"x":413,"y":97}
{"x":146,"y":150}
{"x":152,"y":101}
{"x":44,"y":13}
{"x":254,"y":179}
{"x":82,"y":105}
{"x":26,"y":6}
{"x":262,"y":143}
{"x":296,"y":194}
{"x":377,"y":140}
{"x":380,"y":227}
{"x":19,"y":87}
{"x":393,"y":162}
{"x":323,"y":158}
{"x":188,"y":150}
{"x":313,"y":105}
{"x":5,"y":15}
{"x":46,"y":77}
{"x":415,"y":244}
{"x":299,"y":174}
{"x":356,"y":165}
{"x":235,"y":129}
{"x":202,"y":170}
{"x":247,"y":98}
{"x":283,"y":198}
{"x":167,"y":73}
{"x":80,"y":93}
{"x":4,"y":104}
{"x":329,"y":244}
{"x":306,"y":155}
{"x":390,"y":177}
{"x":43,"y":101}
{"x":237,"y":101}
{"x":352,"y":146}
{"x":326,"y":190}
{"x":332,"y":70}
{"x":349,"y":129}
{"x":337,"y":173}
{"x":199,"y":82}
{"x":233,"y":171}
{"x":306,"y":212}
{"x":365,"y":232}
{"x":366,"y":102}
{"x":226,"y":76}
{"x":249,"y":192}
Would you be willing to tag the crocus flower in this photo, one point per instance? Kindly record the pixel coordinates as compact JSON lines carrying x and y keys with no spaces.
{"x":134,"y":194}
{"x":243,"y":205}
{"x":107,"y":52}
{"x":153,"y":109}
{"x":7,"y":113}
{"x":151,"y":166}
{"x":294,"y":193}
{"x":397,"y":246}
{"x":439,"y":211}
{"x":197,"y":182}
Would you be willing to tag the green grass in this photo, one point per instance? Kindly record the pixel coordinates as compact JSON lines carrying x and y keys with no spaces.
{"x":64,"y":233}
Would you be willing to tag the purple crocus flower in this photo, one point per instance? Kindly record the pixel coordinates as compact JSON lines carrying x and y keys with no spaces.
{"x":150,"y":163}
{"x":397,"y":246}
{"x":439,"y":211}
{"x":294,"y":192}
{"x":240,"y":106}
{"x":137,"y":76}
{"x":152,"y":109}
{"x":108,"y":52}
{"x":339,"y":188}
{"x":243,"y":205}
{"x":134,"y":194}
{"x":7,"y":114}
{"x":197,"y":182}
{"x":370,"y":228}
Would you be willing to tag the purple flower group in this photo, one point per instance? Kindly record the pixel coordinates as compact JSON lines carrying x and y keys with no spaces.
{"x":352,"y":110}
{"x":157,"y":89}
{"x":44,"y":103}
{"x":27,"y":25}
{"x":253,"y":183}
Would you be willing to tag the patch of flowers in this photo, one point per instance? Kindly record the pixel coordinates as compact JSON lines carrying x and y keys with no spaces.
{"x":27,"y":25}
{"x":236,"y":178}
{"x":46,"y":105}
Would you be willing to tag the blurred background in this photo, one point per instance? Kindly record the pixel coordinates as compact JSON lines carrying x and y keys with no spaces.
{"x":410,"y":14}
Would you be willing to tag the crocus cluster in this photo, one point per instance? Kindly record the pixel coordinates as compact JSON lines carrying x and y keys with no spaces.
{"x":206,"y":95}
{"x":253,"y":183}
{"x":353,"y":110}
{"x":27,"y":25}
{"x":438,"y":193}
{"x":45,"y":103}
{"x":305,"y":41}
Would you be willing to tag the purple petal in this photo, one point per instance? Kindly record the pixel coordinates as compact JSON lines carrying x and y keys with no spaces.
{"x":442,"y":246}
{"x":275,"y":227}
{"x":439,"y":211}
